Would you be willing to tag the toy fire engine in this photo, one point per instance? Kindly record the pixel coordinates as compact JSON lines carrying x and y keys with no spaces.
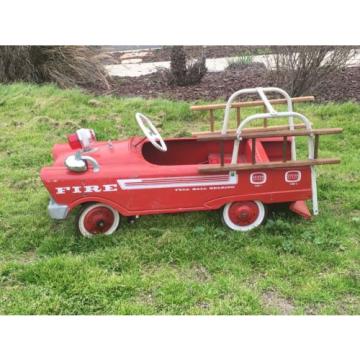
{"x":237,"y":171}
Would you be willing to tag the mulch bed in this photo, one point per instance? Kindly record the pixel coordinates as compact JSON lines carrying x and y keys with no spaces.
{"x":344,"y":86}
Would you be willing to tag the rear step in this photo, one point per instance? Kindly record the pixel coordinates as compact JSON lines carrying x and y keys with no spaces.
{"x":299,"y":207}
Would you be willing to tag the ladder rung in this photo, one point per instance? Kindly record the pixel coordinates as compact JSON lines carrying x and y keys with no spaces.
{"x":275,"y":133}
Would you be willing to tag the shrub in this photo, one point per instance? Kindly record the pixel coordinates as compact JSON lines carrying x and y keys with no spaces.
{"x":66,"y":66}
{"x":299,"y":69}
{"x":183,"y":73}
{"x":244,"y":61}
{"x":241,"y":61}
{"x":178,"y":65}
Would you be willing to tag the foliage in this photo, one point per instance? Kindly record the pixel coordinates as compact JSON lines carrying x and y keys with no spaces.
{"x":299,"y":69}
{"x":66,"y":66}
{"x":241,"y":61}
{"x":168,"y":264}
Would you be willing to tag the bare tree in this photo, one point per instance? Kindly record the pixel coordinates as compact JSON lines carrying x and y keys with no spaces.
{"x":299,"y":69}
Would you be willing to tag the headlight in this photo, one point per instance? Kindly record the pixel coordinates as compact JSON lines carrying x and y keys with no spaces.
{"x":76,"y":163}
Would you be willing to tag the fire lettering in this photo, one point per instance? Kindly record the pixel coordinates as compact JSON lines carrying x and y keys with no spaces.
{"x":77,"y":189}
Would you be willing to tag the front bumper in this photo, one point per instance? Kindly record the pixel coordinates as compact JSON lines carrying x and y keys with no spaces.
{"x":57,"y":211}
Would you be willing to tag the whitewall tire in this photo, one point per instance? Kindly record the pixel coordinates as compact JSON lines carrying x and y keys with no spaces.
{"x":243,"y":215}
{"x":97,"y":219}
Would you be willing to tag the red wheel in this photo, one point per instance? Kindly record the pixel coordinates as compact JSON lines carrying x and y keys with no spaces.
{"x":243,"y":215}
{"x":98,"y":219}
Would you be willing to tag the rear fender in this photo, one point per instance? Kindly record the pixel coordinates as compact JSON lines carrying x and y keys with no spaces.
{"x":220,"y":202}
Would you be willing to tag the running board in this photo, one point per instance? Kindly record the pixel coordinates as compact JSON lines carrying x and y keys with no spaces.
{"x":268,"y":165}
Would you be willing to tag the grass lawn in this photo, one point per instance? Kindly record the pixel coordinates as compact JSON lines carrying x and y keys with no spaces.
{"x":169,"y":264}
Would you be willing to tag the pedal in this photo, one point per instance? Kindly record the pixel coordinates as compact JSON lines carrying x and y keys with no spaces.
{"x":132,"y":219}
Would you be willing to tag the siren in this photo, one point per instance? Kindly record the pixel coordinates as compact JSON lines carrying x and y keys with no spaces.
{"x":82,"y":139}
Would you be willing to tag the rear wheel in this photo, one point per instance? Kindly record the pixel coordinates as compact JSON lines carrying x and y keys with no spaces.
{"x":97,"y":219}
{"x":243,"y":215}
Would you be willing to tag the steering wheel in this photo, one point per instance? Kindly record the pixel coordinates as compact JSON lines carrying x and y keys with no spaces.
{"x":150,"y":132}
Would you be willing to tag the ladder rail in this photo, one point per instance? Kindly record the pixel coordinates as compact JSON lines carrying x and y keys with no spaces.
{"x":287,"y":114}
{"x":266,"y":101}
{"x":262,"y":94}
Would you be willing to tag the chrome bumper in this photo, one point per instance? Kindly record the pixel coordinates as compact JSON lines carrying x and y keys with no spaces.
{"x":57,"y":211}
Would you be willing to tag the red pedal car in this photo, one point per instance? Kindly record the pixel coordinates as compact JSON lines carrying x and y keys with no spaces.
{"x":239,"y":172}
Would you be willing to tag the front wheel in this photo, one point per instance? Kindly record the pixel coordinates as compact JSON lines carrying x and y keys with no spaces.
{"x":243,"y":215}
{"x":97,"y":219}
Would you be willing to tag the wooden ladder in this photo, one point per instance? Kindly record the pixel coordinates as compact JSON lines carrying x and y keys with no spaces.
{"x":254,"y":134}
{"x":238,"y":106}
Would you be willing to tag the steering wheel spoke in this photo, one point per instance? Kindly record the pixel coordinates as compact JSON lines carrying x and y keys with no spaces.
{"x":150,"y":131}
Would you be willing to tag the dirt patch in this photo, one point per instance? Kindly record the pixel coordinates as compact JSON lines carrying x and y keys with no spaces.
{"x":146,"y":298}
{"x":46,"y":120}
{"x":344,"y":86}
{"x":30,"y":183}
{"x":313,"y":309}
{"x":201,"y":273}
{"x":271,"y":299}
{"x":349,"y":304}
{"x":95,"y":103}
{"x":203,"y":305}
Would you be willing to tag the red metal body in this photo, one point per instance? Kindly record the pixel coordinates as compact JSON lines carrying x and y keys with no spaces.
{"x":137,"y":179}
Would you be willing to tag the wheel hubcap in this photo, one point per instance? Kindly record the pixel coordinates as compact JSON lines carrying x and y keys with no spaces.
{"x":243,"y":213}
{"x":99,"y":220}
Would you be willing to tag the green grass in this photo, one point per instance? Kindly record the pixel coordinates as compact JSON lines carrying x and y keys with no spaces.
{"x":168,"y":264}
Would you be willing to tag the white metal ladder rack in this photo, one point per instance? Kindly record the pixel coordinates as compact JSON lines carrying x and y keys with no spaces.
{"x":272,"y":113}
